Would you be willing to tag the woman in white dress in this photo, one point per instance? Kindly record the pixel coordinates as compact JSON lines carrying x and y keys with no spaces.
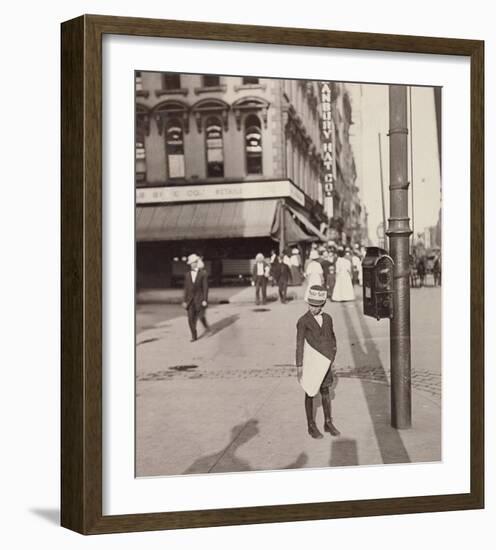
{"x":343,"y":289}
{"x":314,"y":274}
{"x":296,"y":276}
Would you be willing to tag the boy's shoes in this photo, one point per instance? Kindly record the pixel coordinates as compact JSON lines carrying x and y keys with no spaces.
{"x":329,"y":427}
{"x":314,"y":431}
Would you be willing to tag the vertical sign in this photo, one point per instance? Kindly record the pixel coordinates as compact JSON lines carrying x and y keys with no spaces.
{"x":326,"y":140}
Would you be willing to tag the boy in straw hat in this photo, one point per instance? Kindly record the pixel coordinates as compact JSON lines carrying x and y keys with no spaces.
{"x":315,"y":353}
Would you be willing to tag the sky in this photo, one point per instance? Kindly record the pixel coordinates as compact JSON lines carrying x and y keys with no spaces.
{"x":370,"y":112}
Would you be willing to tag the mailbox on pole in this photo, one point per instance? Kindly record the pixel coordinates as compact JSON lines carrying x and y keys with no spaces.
{"x":378,"y":283}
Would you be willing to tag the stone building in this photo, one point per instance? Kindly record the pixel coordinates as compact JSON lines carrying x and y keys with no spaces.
{"x":226,"y":167}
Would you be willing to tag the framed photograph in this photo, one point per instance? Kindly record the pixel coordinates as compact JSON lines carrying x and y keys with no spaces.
{"x":272,"y":274}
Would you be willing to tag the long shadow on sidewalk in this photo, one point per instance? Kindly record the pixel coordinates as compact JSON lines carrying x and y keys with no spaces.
{"x":240,"y":434}
{"x":388,"y":439}
{"x":226,"y":460}
{"x":221,"y":324}
{"x":344,"y":452}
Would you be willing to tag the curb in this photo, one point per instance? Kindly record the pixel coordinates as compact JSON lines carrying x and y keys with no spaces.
{"x":238,"y":298}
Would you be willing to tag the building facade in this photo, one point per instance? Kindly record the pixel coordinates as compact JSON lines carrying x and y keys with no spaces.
{"x":345,"y":212}
{"x":225,"y":167}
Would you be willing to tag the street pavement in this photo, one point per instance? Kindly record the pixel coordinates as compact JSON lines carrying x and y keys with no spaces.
{"x":230,"y":401}
{"x":151,"y":310}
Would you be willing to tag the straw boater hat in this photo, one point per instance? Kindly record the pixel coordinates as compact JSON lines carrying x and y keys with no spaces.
{"x":192,"y":258}
{"x":317,"y":295}
{"x":314,"y":255}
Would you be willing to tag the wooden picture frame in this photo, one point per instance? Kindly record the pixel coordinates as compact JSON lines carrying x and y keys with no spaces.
{"x":81,"y":233}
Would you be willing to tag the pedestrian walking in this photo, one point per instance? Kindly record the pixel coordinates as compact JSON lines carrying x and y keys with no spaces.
{"x":356,"y":263}
{"x":437,"y":270}
{"x":260,"y":278}
{"x":313,"y":251}
{"x":326,"y":265}
{"x":343,"y":289}
{"x":274,"y":267}
{"x":295,"y":261}
{"x":315,"y":352}
{"x":421,"y":270}
{"x":331,"y":279}
{"x":195,"y":295}
{"x":314,"y":274}
{"x":283,"y":281}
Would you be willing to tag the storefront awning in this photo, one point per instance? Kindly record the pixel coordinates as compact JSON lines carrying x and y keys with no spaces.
{"x":292,"y":233}
{"x":306,"y":222}
{"x":207,"y":220}
{"x":217,"y":220}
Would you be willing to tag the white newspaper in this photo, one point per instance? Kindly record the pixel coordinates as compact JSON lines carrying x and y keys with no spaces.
{"x":315,"y":366}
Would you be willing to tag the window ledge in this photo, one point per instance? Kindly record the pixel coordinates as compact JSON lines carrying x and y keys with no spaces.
{"x":175,"y":91}
{"x":176,"y":181}
{"x":207,"y":89}
{"x":142,"y":93}
{"x":253,"y":177}
{"x":241,"y":87}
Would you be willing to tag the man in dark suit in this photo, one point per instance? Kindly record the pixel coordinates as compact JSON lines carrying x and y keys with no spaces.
{"x":283,"y":280}
{"x":195,"y":295}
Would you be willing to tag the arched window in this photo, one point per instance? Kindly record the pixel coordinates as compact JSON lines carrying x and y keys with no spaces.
{"x":253,"y":145}
{"x":142,"y":129}
{"x":215,"y":147}
{"x":174,"y":142}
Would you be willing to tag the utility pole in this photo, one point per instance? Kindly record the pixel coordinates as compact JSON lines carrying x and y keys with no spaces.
{"x":399,"y":239}
{"x":411,"y":165}
{"x":382,"y":195}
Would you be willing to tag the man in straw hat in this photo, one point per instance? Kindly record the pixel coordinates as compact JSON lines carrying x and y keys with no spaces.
{"x":315,"y":353}
{"x":195,"y":295}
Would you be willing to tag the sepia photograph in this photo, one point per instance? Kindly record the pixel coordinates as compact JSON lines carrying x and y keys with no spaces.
{"x":288,"y":271}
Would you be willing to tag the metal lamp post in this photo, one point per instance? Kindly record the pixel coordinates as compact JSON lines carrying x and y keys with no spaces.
{"x":399,"y":235}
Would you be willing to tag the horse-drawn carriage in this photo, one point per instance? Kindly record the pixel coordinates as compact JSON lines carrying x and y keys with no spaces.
{"x":425,"y":269}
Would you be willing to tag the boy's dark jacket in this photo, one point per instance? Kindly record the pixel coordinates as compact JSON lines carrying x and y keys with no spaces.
{"x":321,"y":339}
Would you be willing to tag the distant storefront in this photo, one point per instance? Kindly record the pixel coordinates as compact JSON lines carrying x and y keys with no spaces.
{"x":226,"y":167}
{"x":227,"y":224}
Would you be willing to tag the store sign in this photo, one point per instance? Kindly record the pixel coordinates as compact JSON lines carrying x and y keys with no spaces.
{"x":326,"y":138}
{"x":329,"y":206}
{"x":245,"y":190}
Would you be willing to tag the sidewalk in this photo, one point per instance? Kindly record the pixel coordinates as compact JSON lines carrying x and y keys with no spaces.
{"x":231,"y":402}
{"x":216,"y":295}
